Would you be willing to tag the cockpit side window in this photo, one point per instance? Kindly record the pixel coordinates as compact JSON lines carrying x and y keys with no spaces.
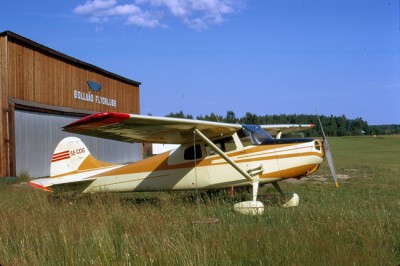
{"x":190,"y":153}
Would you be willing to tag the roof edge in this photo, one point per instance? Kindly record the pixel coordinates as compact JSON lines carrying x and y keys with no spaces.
{"x":66,"y":57}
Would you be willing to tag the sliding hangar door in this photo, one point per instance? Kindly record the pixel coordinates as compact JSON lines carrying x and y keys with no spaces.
{"x":43,"y":90}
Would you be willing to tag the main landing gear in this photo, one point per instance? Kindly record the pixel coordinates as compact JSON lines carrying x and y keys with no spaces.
{"x":255,"y":207}
{"x":286,"y":199}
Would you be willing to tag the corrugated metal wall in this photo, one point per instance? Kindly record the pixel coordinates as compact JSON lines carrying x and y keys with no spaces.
{"x":37,"y":135}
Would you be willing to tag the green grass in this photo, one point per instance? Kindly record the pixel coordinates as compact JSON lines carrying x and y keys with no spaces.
{"x":357,"y":224}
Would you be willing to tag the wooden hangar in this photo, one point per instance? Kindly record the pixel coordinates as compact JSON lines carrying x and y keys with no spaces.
{"x":43,"y":90}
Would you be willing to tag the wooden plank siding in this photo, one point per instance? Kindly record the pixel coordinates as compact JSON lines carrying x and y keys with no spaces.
{"x":4,"y":166}
{"x":34,"y":76}
{"x":34,"y":73}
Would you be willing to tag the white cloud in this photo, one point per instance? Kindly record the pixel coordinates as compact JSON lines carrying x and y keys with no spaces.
{"x":144,"y":20}
{"x":94,"y":6}
{"x":122,"y":10}
{"x":178,"y":8}
{"x":197,"y":14}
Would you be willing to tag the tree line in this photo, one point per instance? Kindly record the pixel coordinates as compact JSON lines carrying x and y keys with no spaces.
{"x":333,"y":125}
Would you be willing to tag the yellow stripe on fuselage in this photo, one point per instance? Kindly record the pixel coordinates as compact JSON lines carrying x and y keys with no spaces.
{"x":165,"y":172}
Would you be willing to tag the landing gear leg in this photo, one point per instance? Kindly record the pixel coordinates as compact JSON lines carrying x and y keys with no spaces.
{"x":255,"y":189}
{"x":291,"y":201}
{"x":277,"y":187}
{"x":252,"y":207}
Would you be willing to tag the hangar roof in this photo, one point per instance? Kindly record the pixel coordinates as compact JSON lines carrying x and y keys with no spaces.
{"x":62,"y":56}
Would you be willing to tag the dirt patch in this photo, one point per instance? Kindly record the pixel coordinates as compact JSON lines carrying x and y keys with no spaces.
{"x":296,"y":181}
{"x":317,"y":179}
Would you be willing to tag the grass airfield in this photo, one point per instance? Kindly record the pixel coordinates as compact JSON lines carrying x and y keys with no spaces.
{"x":357,"y":224}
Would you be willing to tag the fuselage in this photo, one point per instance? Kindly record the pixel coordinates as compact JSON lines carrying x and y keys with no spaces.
{"x":196,"y":167}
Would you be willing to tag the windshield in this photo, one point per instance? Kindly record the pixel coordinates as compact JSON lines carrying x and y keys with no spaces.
{"x":256,"y":133}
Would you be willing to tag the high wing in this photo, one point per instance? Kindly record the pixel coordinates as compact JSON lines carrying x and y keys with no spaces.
{"x":286,"y":128}
{"x":148,"y":129}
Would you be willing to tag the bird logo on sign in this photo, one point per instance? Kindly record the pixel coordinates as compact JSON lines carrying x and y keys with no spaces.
{"x":94,"y":86}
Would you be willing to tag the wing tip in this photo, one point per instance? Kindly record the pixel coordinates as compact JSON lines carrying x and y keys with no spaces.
{"x":100,"y":119}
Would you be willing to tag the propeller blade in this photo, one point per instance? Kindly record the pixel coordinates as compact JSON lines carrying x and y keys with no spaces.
{"x":328,"y":154}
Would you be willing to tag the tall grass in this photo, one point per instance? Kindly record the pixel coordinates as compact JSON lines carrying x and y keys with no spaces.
{"x":357,"y":224}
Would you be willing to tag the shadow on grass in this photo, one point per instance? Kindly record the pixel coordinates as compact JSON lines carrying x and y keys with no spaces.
{"x":162,"y":199}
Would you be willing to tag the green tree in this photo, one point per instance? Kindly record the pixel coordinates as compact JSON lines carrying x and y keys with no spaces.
{"x":231,"y":117}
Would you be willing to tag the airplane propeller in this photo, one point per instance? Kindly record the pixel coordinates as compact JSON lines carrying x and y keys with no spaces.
{"x":328,"y":154}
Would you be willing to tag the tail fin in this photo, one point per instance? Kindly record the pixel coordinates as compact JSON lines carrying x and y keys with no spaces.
{"x":70,"y":156}
{"x":72,"y":165}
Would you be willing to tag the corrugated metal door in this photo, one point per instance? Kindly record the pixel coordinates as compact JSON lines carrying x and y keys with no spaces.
{"x":37,"y":135}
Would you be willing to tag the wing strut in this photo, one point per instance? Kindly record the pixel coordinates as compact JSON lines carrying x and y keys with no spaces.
{"x":253,"y":207}
{"x":223,"y":155}
{"x":254,"y":181}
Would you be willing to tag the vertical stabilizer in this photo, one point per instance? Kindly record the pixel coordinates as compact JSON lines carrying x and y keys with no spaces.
{"x":69,"y":154}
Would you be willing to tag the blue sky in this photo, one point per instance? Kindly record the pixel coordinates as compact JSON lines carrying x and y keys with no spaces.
{"x":258,"y":56}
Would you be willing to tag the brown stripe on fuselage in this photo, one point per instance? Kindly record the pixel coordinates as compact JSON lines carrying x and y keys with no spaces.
{"x":294,"y":172}
{"x":160,"y":162}
{"x":89,"y":164}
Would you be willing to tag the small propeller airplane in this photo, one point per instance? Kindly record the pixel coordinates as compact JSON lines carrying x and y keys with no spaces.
{"x":211,"y":155}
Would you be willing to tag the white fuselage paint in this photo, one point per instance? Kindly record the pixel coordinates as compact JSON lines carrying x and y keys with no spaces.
{"x":284,"y":161}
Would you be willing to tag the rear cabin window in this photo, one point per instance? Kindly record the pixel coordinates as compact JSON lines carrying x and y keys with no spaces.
{"x":190,"y":153}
